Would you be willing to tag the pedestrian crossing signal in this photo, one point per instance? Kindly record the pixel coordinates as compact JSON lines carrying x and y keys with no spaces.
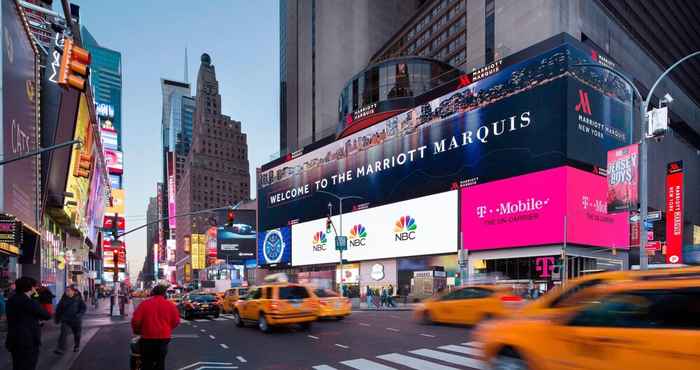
{"x":73,"y":69}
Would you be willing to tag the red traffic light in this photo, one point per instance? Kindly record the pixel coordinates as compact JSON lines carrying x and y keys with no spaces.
{"x":230,"y":217}
{"x":73,"y":69}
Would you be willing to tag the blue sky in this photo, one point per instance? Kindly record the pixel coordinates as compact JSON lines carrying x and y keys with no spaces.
{"x":242,"y":39}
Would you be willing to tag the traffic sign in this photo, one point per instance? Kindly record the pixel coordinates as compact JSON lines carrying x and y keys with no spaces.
{"x":341,"y":243}
{"x":653,"y":216}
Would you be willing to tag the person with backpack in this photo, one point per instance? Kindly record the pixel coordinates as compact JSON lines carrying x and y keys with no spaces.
{"x":23,"y":333}
{"x":69,"y":313}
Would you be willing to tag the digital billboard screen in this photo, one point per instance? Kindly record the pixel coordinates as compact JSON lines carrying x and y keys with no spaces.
{"x":238,"y":241}
{"x":507,"y":124}
{"x":115,"y":161}
{"x":275,"y":247}
{"x":426,"y":225}
{"x":532,"y":210}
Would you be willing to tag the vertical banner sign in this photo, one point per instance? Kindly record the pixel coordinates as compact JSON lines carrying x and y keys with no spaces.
{"x":623,"y":177}
{"x":171,"y":190}
{"x":674,"y":212}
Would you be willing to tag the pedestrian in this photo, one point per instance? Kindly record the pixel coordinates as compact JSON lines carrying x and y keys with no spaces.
{"x":154,"y":320}
{"x":368,"y":297}
{"x":2,"y":305}
{"x":46,"y":299}
{"x":23,"y":332}
{"x":384,"y":300}
{"x":375,"y":295}
{"x":85,"y":295}
{"x":390,"y":296}
{"x":69,"y":313}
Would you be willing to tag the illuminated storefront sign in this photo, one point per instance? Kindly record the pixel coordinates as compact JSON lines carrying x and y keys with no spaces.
{"x":115,"y":161}
{"x":674,"y":212}
{"x":172,"y":209}
{"x":117,"y":202}
{"x":78,"y":186}
{"x":10,"y":235}
{"x":198,"y":251}
{"x":275,"y":246}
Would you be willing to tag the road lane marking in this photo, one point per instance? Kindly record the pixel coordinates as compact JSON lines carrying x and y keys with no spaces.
{"x":324,"y":367}
{"x":413,"y":363}
{"x":392,"y":329}
{"x":194,"y":326}
{"x":363,"y":324}
{"x":219,"y":365}
{"x":394,"y":316}
{"x":341,"y":346}
{"x":241,"y":359}
{"x":453,"y":359}
{"x":363,"y":364}
{"x":427,"y":335}
{"x":185,"y":336}
{"x":221,"y":319}
{"x":203,"y":330}
{"x":223,"y":346}
{"x":465,"y":350}
{"x":202,"y":320}
{"x":211,"y":336}
{"x":474,"y":344}
{"x":312,"y":337}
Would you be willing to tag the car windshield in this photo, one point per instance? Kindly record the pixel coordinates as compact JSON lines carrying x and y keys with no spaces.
{"x":324,"y":293}
{"x":293,"y":292}
{"x":202,"y":298}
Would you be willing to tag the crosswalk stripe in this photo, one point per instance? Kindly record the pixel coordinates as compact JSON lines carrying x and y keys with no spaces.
{"x":221,"y":319}
{"x":364,"y":364}
{"x":474,"y":344}
{"x":413,"y":363}
{"x":465,"y":350}
{"x":324,"y":367}
{"x":202,"y":320}
{"x":448,"y":357}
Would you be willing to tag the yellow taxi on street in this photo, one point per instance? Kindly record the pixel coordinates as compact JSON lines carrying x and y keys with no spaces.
{"x":277,"y":304}
{"x":467,"y":305}
{"x":232,"y":296}
{"x":563,"y":299}
{"x":332,"y":305}
{"x":639,"y":325}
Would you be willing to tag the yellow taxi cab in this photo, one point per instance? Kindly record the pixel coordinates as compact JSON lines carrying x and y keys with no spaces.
{"x":231,"y":297}
{"x":467,"y":305}
{"x":277,"y":304}
{"x":639,"y":325}
{"x":562,"y":299}
{"x":332,"y":305}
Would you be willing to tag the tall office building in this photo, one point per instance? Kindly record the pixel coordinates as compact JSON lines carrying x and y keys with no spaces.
{"x":148,"y":272}
{"x":216,"y":171}
{"x":322,"y":45}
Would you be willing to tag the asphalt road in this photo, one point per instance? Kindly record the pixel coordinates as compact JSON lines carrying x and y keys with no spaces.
{"x":369,"y":340}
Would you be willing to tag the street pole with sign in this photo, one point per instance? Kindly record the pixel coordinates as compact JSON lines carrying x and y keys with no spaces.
{"x":339,"y":236}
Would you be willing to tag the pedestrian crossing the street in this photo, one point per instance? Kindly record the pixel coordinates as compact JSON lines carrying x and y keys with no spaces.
{"x":467,"y":355}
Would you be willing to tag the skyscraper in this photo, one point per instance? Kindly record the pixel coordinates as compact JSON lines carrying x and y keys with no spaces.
{"x":216,"y":171}
{"x":322,"y":45}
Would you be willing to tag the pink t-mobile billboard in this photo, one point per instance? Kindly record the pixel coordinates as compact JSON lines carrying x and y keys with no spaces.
{"x":530,"y":210}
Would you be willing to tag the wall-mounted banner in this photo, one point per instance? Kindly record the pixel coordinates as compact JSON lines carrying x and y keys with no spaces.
{"x":238,"y":240}
{"x":623,"y":178}
{"x":109,"y":139}
{"x":530,"y":116}
{"x":10,"y":234}
{"x":115,"y":161}
{"x":421,"y":226}
{"x":172,"y":191}
{"x":199,"y":250}
{"x":275,"y":247}
{"x":117,"y":202}
{"x":674,"y":212}
{"x":530,"y":210}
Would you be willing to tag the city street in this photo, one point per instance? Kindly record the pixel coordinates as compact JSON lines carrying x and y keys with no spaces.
{"x":388,"y":338}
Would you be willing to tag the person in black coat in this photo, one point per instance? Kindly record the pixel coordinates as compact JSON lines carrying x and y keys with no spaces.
{"x":23,"y":332}
{"x":69,"y":313}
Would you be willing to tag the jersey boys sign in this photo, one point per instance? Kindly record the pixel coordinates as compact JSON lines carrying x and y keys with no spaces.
{"x":623,"y":177}
{"x":420,"y":226}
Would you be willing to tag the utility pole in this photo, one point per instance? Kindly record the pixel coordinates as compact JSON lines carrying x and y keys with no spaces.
{"x":330,"y":213}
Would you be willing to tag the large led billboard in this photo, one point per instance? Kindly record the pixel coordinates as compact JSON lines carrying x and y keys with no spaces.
{"x":535,"y":209}
{"x":426,"y":225}
{"x":172,"y":191}
{"x":275,"y":247}
{"x":115,"y":161}
{"x":526,"y":118}
{"x":238,"y":241}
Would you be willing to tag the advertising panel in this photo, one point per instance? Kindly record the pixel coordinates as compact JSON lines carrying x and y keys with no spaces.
{"x":170,"y":246}
{"x":212,"y":245}
{"x":674,"y":212}
{"x":351,"y":274}
{"x":117,"y":202}
{"x":623,"y":177}
{"x":115,"y":181}
{"x":199,"y":251}
{"x":109,"y":139}
{"x":530,"y":210}
{"x":19,"y":117}
{"x":507,"y":124}
{"x":160,"y":192}
{"x":239,"y":240}
{"x":421,"y":226}
{"x":10,"y":234}
{"x":275,"y":246}
{"x":172,"y":209}
{"x":115,"y":161}
{"x":77,"y":184}
{"x":97,"y":200}
{"x":155,"y":261}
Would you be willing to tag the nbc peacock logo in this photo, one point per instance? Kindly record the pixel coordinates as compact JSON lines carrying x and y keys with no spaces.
{"x":405,"y":229}
{"x":319,"y":241}
{"x":358,"y":236}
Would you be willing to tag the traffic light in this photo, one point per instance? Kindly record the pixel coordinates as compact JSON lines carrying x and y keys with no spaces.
{"x":230,"y":217}
{"x":73,"y":69}
{"x":329,"y":224}
{"x":115,"y":226}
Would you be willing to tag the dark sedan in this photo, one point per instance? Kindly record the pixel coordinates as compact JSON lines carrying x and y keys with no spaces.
{"x":199,"y":305}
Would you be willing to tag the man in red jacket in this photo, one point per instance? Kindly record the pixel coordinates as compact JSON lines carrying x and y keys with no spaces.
{"x":154,"y":320}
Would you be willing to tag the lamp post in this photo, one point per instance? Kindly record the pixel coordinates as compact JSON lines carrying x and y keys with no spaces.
{"x":41,"y":151}
{"x":330,"y":208}
{"x":643,"y":149}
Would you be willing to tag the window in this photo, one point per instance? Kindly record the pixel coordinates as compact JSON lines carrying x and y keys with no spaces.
{"x":564,"y":299}
{"x":293,"y":292}
{"x":268,"y":292}
{"x":255,"y":294}
{"x":490,"y":31}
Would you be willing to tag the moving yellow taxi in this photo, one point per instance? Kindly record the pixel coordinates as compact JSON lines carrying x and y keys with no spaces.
{"x":332,"y":305}
{"x":231,"y":297}
{"x":467,"y":305}
{"x":277,"y":304}
{"x":562,"y":299}
{"x":637,"y":325}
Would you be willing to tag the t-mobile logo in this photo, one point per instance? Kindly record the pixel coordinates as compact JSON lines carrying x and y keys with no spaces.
{"x":481,"y":211}
{"x":583,"y":104}
{"x":544,"y":265}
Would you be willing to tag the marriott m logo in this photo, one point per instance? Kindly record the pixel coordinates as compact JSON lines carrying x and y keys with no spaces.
{"x":583,"y":103}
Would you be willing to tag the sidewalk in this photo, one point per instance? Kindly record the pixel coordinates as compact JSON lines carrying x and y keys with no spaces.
{"x":93,"y":321}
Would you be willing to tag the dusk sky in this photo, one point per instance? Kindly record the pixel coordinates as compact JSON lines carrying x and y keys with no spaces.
{"x":242,"y":39}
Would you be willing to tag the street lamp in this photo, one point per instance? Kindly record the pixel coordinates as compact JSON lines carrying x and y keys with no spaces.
{"x":643,"y":171}
{"x":330,"y":208}
{"x":41,"y":151}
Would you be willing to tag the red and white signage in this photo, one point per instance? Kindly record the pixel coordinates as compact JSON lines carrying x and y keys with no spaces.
{"x":114,"y":160}
{"x":623,"y":177}
{"x":108,"y":222}
{"x":674,"y":212}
